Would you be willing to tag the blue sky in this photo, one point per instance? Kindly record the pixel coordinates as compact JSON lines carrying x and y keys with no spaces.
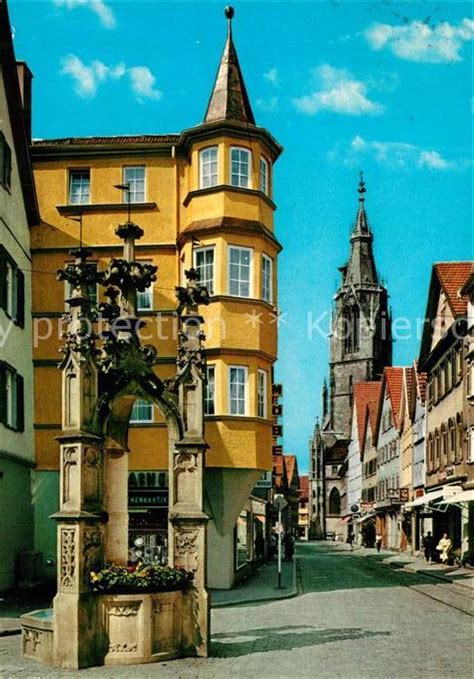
{"x":383,"y":86}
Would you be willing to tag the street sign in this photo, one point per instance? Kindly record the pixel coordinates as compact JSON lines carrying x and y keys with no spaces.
{"x":277,"y":389}
{"x":280,"y":502}
{"x":277,"y":430}
{"x":277,"y":410}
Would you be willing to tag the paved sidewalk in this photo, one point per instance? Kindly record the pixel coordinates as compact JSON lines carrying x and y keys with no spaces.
{"x":260,"y":586}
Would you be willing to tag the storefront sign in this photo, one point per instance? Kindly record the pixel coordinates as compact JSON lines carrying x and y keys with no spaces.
{"x":277,"y":390}
{"x":277,"y":430}
{"x":277,"y":410}
{"x":277,"y":450}
{"x":147,"y":489}
{"x":404,"y":495}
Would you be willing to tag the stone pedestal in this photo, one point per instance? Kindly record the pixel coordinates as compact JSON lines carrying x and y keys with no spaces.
{"x":116,"y":506}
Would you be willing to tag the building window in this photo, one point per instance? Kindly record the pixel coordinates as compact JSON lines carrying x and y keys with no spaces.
{"x":238,"y":378}
{"x":444,"y":444}
{"x":5,"y":162}
{"x":240,"y":167}
{"x":11,"y":397}
{"x":208,"y":167}
{"x":334,"y":502}
{"x":264,"y":176}
{"x":437,"y":449}
{"x":471,"y":444}
{"x":12,"y":288}
{"x":458,"y":365}
{"x":134,"y":176}
{"x":267,"y":279}
{"x":240,"y":262}
{"x":262,"y":394}
{"x":210,"y":391}
{"x":79,"y":187}
{"x":204,"y":264}
{"x":91,"y":289}
{"x":452,"y":441}
{"x":459,"y":436}
{"x":142,"y":411}
{"x":145,"y":297}
{"x":351,"y":329}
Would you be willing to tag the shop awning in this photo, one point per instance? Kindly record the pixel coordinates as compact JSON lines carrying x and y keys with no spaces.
{"x":464,"y":496}
{"x":345,"y":520}
{"x":448,"y":493}
{"x":366,"y":517}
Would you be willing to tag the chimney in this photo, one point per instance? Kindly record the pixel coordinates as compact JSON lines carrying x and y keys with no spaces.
{"x":25,"y":77}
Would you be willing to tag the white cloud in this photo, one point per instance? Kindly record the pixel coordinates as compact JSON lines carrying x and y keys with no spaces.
{"x":88,"y":78}
{"x":272,"y":77}
{"x":143,"y":83}
{"x":338,"y":91}
{"x":394,"y":155}
{"x":417,"y":41}
{"x":99,"y":7}
{"x":269,"y":105}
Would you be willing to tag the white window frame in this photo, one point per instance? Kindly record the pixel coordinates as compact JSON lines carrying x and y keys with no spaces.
{"x":239,"y":280}
{"x":245,"y":372}
{"x":82,"y":194}
{"x":264,"y":176}
{"x":210,"y":390}
{"x":208,"y":178}
{"x":11,"y":398}
{"x":147,"y":294}
{"x":134,"y":419}
{"x":267,"y":291}
{"x":12,"y":289}
{"x":130,"y":182}
{"x":240,"y":183}
{"x":205,"y":280}
{"x":262,"y":381}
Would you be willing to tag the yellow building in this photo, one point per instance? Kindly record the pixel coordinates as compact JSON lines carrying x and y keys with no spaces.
{"x":203,"y":198}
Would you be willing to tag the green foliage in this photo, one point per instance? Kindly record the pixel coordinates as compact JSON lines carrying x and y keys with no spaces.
{"x":139,"y":578}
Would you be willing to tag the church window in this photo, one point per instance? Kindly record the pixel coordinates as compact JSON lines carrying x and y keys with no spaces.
{"x":334,"y":502}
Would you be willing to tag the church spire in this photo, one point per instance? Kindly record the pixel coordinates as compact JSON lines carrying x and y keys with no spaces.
{"x":229,"y":99}
{"x":361,"y":269}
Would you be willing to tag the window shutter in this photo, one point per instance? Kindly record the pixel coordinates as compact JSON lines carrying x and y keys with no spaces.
{"x":20,"y":299}
{"x":20,"y":403}
{"x":3,"y":393}
{"x":3,"y":278}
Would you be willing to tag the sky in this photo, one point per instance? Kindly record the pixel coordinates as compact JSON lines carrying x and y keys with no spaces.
{"x":385,"y":87}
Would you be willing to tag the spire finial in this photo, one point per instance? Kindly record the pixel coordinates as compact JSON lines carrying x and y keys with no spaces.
{"x":229,"y":13}
{"x":361,"y":190}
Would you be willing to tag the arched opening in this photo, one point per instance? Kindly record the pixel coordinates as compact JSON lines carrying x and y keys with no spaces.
{"x":334,"y":502}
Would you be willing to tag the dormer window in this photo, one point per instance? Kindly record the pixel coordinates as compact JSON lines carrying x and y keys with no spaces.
{"x":240,"y":161}
{"x":208,"y":167}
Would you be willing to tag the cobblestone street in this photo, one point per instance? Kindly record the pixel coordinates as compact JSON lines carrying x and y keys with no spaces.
{"x":354,"y":617}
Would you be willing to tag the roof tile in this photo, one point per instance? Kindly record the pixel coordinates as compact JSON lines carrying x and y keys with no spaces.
{"x":452,"y":276}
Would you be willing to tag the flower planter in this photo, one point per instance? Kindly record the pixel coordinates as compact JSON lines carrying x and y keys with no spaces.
{"x":141,"y":628}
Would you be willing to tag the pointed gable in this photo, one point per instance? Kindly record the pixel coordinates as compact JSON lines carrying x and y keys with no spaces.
{"x":229,"y":99}
{"x":445,"y":303}
{"x":365,"y":394}
{"x":393,"y":384}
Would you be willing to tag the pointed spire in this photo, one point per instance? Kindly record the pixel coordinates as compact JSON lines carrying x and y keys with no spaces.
{"x":229,"y":99}
{"x":361,"y":225}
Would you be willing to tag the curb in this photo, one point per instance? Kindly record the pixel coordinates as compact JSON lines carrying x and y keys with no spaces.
{"x":429,"y":574}
{"x":10,"y":632}
{"x":290,"y":594}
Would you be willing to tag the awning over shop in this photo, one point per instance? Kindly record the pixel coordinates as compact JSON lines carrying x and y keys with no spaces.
{"x":345,"y":520}
{"x":465,"y":496}
{"x":447,"y":494}
{"x":366,"y":517}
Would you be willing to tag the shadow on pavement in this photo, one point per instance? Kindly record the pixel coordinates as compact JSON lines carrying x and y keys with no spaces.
{"x":283,"y":639}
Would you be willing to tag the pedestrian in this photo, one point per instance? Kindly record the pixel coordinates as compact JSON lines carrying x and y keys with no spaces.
{"x":428,"y":546}
{"x":444,"y":547}
{"x":350,"y":540}
{"x":378,"y":542}
{"x":289,"y":542}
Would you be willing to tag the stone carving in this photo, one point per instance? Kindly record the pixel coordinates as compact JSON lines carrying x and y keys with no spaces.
{"x":68,"y":557}
{"x":123,"y":648}
{"x":185,"y":549}
{"x":124,"y":611}
{"x":92,"y":474}
{"x":185,"y":462}
{"x":92,"y":551}
{"x":32,"y":638}
{"x":185,"y":478}
{"x":69,"y":461}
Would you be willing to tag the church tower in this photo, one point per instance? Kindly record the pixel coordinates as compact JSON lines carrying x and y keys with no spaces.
{"x":361,"y":340}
